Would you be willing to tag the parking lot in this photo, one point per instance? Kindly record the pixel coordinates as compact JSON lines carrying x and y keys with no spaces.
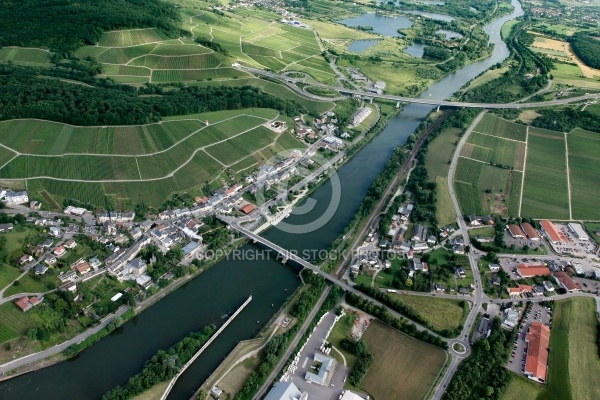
{"x":520,"y":242}
{"x":519,"y":351}
{"x":582,"y":248}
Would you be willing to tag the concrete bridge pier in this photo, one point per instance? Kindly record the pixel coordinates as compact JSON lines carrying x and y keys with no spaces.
{"x":371,"y":100}
{"x":397,"y":104}
{"x":438,"y":109}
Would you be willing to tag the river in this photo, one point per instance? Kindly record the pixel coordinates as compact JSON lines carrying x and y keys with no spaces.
{"x":225,"y":286}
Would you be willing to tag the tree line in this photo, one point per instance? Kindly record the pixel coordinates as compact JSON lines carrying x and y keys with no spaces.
{"x":359,"y":349}
{"x":27,"y":95}
{"x":63,"y":26}
{"x":398,"y":323}
{"x":567,"y":119}
{"x":164,"y":365}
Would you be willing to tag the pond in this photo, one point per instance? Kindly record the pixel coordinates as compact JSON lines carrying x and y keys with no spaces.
{"x":449,"y":34}
{"x":383,"y":25}
{"x":415,"y":50}
{"x":436,"y":16}
{"x":362,"y":45}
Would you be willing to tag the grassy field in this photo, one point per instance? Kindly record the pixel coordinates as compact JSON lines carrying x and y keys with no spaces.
{"x":522,"y":388}
{"x":14,"y":322}
{"x":178,"y":154}
{"x":439,"y":153}
{"x":25,"y":56}
{"x":154,"y":393}
{"x":559,"y":368}
{"x":440,"y":313}
{"x":545,"y":192}
{"x":342,"y":330}
{"x":8,"y":273}
{"x":444,"y":211}
{"x":404,"y":368}
{"x":584,"y":162}
{"x":495,"y":126}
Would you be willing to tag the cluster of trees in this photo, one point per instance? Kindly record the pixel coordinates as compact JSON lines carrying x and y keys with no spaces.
{"x":306,"y":302}
{"x":482,"y":375}
{"x":214,"y":233}
{"x":567,"y":119}
{"x":359,"y":349}
{"x":163,"y":366}
{"x":436,"y":53}
{"x":587,"y":48}
{"x":212,"y":45}
{"x":63,"y":26}
{"x":159,"y":264}
{"x":423,"y":192}
{"x":27,"y":95}
{"x":398,"y":323}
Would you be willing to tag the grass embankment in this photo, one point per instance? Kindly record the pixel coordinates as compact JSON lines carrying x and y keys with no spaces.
{"x":404,"y":368}
{"x":522,"y":388}
{"x":440,"y":313}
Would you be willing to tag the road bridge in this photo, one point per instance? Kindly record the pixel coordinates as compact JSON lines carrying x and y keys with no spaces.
{"x":291,"y":82}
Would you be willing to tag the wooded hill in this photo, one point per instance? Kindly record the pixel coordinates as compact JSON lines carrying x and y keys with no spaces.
{"x":587,"y":48}
{"x":63,"y":26}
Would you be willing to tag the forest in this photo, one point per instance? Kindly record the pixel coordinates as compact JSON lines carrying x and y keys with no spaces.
{"x":566,"y":120}
{"x":27,"y":95}
{"x":587,"y":48}
{"x":63,"y":25}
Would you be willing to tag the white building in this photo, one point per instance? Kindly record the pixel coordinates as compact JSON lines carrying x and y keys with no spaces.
{"x":578,"y":231}
{"x":13,"y":198}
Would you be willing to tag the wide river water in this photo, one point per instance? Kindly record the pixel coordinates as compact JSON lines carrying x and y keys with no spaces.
{"x":218,"y":291}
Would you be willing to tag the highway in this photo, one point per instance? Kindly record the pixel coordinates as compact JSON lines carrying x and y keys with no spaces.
{"x":291,"y":83}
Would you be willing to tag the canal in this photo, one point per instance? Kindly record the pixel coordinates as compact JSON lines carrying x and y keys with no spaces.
{"x":221,"y":289}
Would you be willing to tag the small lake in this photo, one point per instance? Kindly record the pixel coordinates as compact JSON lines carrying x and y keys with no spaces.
{"x":415,"y":50}
{"x":362,"y":45}
{"x":383,"y":25}
{"x":436,"y":16}
{"x":449,"y":34}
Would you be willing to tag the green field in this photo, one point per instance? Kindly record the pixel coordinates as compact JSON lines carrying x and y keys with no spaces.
{"x":14,"y":322}
{"x":584,"y":163}
{"x":440,"y":313}
{"x":444,"y":208}
{"x":8,"y":273}
{"x":495,"y":150}
{"x":131,"y":37}
{"x":522,"y":388}
{"x":545,"y":193}
{"x":403,"y":368}
{"x":25,"y":56}
{"x":559,"y":369}
{"x":439,"y":153}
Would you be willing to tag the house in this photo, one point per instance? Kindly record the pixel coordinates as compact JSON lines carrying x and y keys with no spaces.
{"x":527,"y":271}
{"x":95,"y":262}
{"x":383,"y":243}
{"x":54,"y":231}
{"x":538,"y":290}
{"x":494,"y":267}
{"x":438,"y":288}
{"x":77,"y":211}
{"x":50,"y":260}
{"x":419,"y":233}
{"x":27,"y":303}
{"x":538,"y":342}
{"x":485,"y":327}
{"x":484,"y":239}
{"x":60,"y":251}
{"x":458,"y":248}
{"x":326,"y":367}
{"x":548,"y":286}
{"x":464,"y":290}
{"x":286,"y":391}
{"x":530,"y":231}
{"x":553,"y":235}
{"x":69,"y":287}
{"x":420,"y":247}
{"x":515,"y":231}
{"x":67,"y":277}
{"x":418,"y":265}
{"x":83,"y":268}
{"x":70,"y":244}
{"x":47,"y":243}
{"x":510,"y":318}
{"x":6,"y":228}
{"x":431,"y":240}
{"x":460,"y":272}
{"x":519,"y":290}
{"x":35,"y":205}
{"x":144,"y":281}
{"x":566,"y":282}
{"x":190,"y":250}
{"x":136,"y":233}
{"x":137,"y":266}
{"x":496,"y":281}
{"x":248,"y":208}
{"x":14,"y":198}
{"x":40,"y":269}
{"x":26,"y":258}
{"x":404,"y":247}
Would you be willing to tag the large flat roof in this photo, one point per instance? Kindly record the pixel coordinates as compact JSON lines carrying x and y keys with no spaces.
{"x":554,"y":234}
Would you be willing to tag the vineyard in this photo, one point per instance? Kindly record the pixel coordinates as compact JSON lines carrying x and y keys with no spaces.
{"x":499,"y":127}
{"x":497,"y":150}
{"x":132,"y":37}
{"x":545,"y":192}
{"x":174,"y":155}
{"x":584,"y":164}
{"x":24,"y":55}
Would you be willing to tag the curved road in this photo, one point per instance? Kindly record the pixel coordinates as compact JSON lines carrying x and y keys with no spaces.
{"x":291,"y":82}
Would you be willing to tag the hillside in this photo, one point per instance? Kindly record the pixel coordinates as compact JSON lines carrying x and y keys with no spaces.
{"x":63,"y":26}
